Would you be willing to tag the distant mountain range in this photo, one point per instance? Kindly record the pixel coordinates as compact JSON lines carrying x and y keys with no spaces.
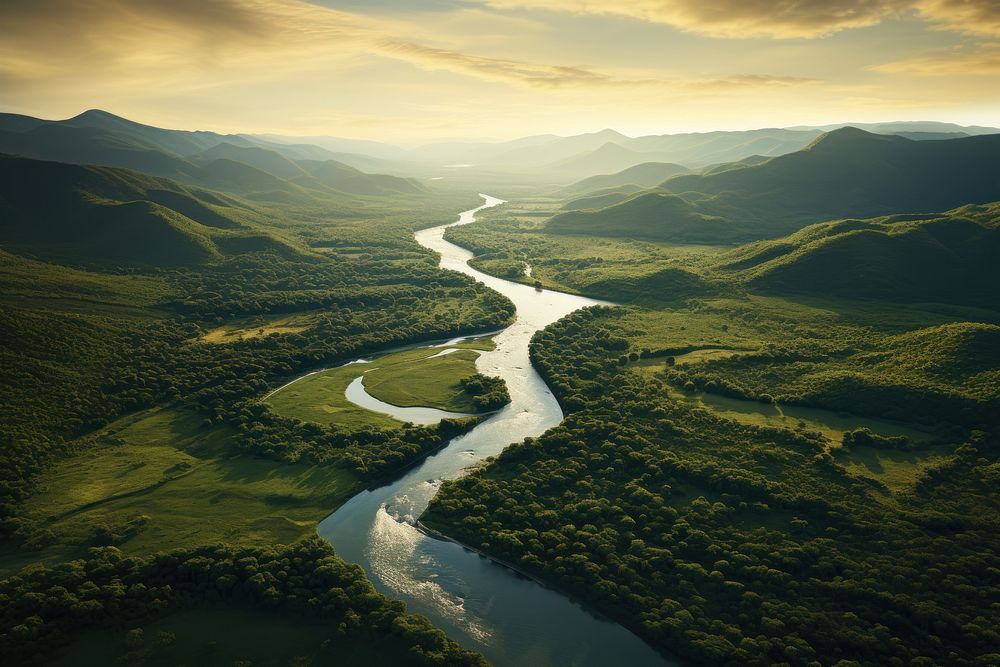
{"x":608,"y":151}
{"x":100,"y":137}
{"x":231,"y":163}
{"x":846,"y":172}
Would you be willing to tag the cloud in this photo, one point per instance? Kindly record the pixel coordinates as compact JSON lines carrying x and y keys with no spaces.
{"x":538,"y":75}
{"x":734,"y":18}
{"x":781,"y":18}
{"x":162,"y":41}
{"x":980,"y":60}
{"x":511,"y":71}
{"x":972,"y":17}
{"x":753,"y":81}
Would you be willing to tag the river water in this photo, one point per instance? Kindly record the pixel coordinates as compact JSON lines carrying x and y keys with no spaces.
{"x":512,"y":620}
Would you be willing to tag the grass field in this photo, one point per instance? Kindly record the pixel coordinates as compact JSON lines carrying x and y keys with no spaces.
{"x":898,"y":470}
{"x":259,"y":327}
{"x":227,"y":636}
{"x":163,"y":479}
{"x":407,"y":378}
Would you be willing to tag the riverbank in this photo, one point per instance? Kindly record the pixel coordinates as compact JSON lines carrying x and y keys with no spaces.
{"x":508,"y":617}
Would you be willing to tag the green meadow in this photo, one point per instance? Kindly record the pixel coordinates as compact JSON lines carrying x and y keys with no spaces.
{"x":162,"y":479}
{"x":414,"y":377}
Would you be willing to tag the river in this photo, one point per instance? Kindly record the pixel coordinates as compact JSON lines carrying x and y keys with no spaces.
{"x":512,"y":620}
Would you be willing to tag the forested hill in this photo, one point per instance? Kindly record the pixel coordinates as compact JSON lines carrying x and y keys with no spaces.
{"x":846,"y":172}
{"x":647,"y":174}
{"x":80,"y":215}
{"x":949,"y":258}
{"x":231,"y":163}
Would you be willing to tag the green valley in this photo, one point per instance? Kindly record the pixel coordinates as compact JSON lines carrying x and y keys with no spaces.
{"x":435,"y":391}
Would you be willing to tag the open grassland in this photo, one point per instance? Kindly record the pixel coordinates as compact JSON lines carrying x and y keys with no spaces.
{"x":259,"y":327}
{"x":898,"y":470}
{"x":432,"y":382}
{"x":228,"y":636}
{"x":413,"y":377}
{"x":164,"y":479}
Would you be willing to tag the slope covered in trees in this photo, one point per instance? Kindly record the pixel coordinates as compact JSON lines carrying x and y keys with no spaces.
{"x":231,"y":163}
{"x":647,"y":175}
{"x":950,"y":257}
{"x":647,"y":216}
{"x":46,"y":609}
{"x":85,"y":214}
{"x":847,"y":172}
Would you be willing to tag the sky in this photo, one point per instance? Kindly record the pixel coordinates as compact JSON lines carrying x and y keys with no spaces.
{"x":410,"y":71}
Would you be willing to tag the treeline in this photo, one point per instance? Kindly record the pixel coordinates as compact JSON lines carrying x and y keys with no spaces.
{"x":44,"y":609}
{"x":371,"y":453}
{"x":488,"y":393}
{"x":732,"y":544}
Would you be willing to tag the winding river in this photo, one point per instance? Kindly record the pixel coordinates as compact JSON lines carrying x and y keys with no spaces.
{"x":510,"y":619}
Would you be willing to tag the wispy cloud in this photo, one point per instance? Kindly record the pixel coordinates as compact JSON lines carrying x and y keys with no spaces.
{"x":510,"y":71}
{"x":734,"y":18}
{"x":978,"y":60}
{"x":971,"y":17}
{"x":276,"y":65}
{"x":781,"y":19}
{"x":285,"y":34}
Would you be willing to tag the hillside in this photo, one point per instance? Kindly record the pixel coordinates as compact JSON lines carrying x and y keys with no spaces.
{"x":965,"y":354}
{"x":247,"y":166}
{"x":608,"y":157}
{"x":700,"y":149}
{"x":846,"y":172}
{"x":749,"y":161}
{"x":674,"y":218}
{"x":601,"y":198}
{"x":344,"y":178}
{"x":850,"y":172}
{"x":549,"y":150}
{"x":88,"y":145}
{"x":263,"y":159}
{"x":950,"y":258}
{"x":646,"y":174}
{"x":87,"y":215}
{"x":178,"y":143}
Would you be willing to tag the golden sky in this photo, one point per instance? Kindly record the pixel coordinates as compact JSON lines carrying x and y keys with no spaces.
{"x":412,"y":70}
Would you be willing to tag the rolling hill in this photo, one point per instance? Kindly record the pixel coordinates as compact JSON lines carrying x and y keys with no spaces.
{"x":89,"y":145}
{"x":609,"y":157}
{"x":700,"y":149}
{"x":601,"y":198}
{"x":344,"y":178}
{"x":231,"y":163}
{"x":847,"y":172}
{"x":749,"y":161}
{"x":947,"y":258}
{"x":101,"y":215}
{"x":265,"y":160}
{"x":646,"y":175}
{"x":674,"y":218}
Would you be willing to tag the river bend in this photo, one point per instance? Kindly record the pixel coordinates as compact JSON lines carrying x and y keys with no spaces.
{"x":512,"y":620}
